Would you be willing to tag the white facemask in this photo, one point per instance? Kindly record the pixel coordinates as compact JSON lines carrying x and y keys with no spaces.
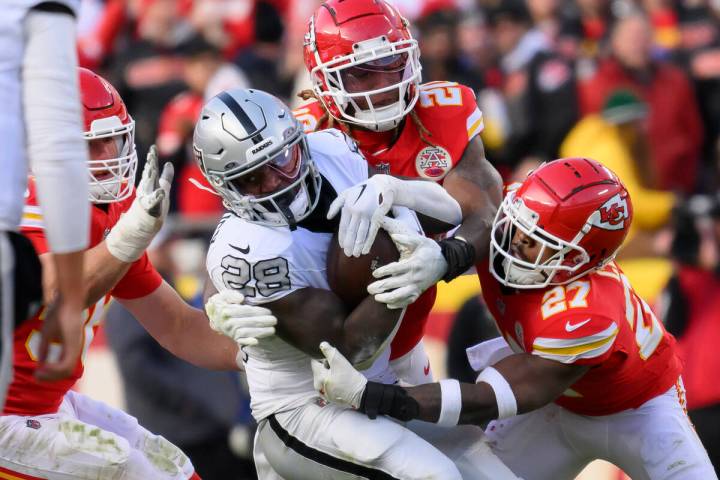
{"x":522,"y":276}
{"x":382,"y":119}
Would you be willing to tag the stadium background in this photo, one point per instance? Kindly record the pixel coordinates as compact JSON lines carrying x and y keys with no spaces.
{"x":634,"y":84}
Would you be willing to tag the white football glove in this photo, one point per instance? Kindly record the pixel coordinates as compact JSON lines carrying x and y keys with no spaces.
{"x":245,"y":324}
{"x":420,"y":266}
{"x":362,"y":208}
{"x":336,"y":379}
{"x":136,"y":228}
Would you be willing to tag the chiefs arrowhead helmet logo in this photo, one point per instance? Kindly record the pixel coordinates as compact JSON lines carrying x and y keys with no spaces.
{"x":611,"y":215}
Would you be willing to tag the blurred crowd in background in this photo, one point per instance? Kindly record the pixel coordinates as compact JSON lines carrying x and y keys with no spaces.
{"x":632,"y":84}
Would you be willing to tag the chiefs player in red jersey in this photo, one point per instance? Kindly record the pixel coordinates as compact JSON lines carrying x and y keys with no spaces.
{"x":584,"y":360}
{"x":365,"y":71}
{"x":47,"y":430}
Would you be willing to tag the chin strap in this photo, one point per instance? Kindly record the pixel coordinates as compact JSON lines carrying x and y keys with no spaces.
{"x":289,"y":215}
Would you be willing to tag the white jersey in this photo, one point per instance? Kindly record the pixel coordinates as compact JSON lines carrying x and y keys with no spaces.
{"x":267,"y":263}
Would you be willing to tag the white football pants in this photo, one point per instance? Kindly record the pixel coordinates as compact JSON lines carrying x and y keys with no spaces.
{"x":87,"y":439}
{"x":331,"y":442}
{"x":328,"y":442}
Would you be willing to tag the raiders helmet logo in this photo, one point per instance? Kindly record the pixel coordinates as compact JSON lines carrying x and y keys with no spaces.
{"x":433,"y":162}
{"x":611,"y":215}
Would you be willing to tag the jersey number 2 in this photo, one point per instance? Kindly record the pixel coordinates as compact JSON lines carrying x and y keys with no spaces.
{"x":647,"y":328}
{"x":271,"y":276}
{"x":443,"y":94}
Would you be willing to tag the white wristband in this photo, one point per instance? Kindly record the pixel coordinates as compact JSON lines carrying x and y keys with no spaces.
{"x":504,"y":396}
{"x":451,"y":403}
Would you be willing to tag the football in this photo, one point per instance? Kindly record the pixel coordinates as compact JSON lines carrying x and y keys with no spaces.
{"x":349,"y":277}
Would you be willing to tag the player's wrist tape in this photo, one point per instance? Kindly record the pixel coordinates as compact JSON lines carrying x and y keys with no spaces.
{"x":504,"y":396}
{"x":132,"y":234}
{"x":390,"y":400}
{"x":451,"y":403}
{"x":459,"y":254}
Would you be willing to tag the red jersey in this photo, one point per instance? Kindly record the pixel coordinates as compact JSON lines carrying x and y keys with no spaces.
{"x":597,"y":320}
{"x":449,"y":113}
{"x":27,"y":396}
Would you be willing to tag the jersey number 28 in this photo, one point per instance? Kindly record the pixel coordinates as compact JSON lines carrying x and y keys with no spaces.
{"x":271,"y":276}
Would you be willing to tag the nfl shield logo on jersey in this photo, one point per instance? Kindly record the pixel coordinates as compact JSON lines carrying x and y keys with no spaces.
{"x":32,"y":423}
{"x":433,"y":162}
{"x":383,"y":167}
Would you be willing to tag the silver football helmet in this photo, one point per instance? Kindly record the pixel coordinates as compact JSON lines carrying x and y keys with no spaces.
{"x":254,"y":153}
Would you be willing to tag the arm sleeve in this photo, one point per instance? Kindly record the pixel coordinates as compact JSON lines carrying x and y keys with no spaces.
{"x":427,"y":198}
{"x":56,"y":150}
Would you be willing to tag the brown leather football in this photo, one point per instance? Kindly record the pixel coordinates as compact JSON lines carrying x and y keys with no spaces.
{"x":349,"y":276}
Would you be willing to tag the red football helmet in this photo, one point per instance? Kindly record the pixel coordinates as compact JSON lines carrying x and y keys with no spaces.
{"x":575,"y":209}
{"x":363,"y":62}
{"x":105,"y":117}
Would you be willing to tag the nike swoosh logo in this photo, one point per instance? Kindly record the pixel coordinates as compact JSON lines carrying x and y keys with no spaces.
{"x":244,"y":251}
{"x":426,"y":369}
{"x":571,"y":328}
{"x":362,"y":190}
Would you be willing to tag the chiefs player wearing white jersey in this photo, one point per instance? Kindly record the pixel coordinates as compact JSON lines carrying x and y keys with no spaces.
{"x":271,"y":247}
{"x":586,"y":362}
{"x":47,"y":430}
{"x":39,"y":121}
